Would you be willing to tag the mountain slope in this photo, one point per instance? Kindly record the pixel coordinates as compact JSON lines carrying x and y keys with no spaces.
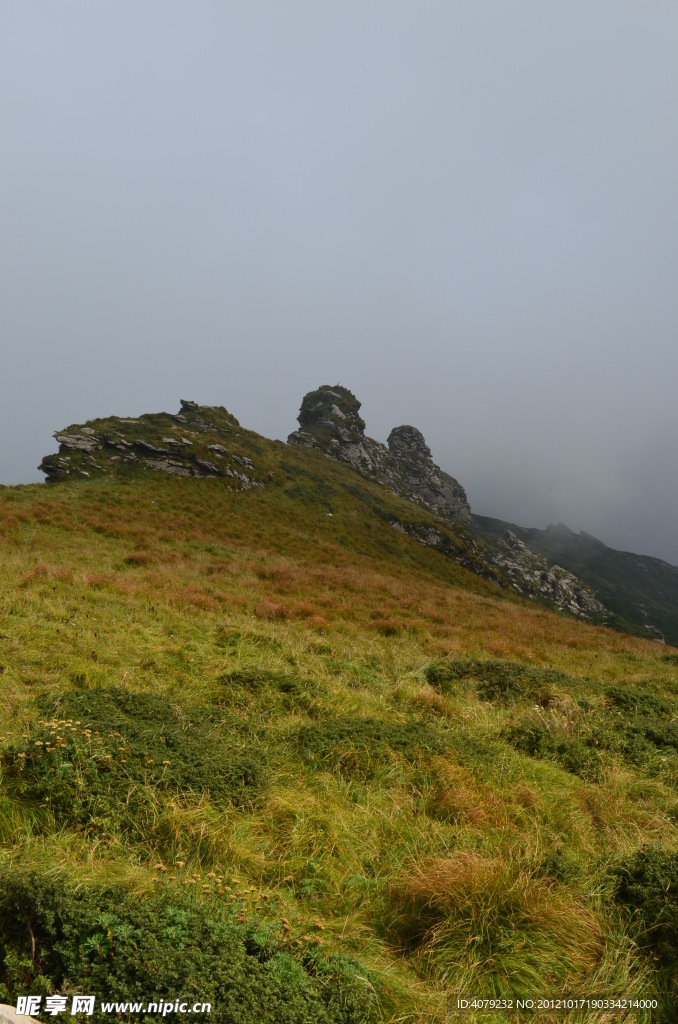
{"x":577,"y":575}
{"x":306,"y":762}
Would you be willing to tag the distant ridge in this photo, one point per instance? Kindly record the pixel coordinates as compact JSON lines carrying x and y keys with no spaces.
{"x":640,"y":591}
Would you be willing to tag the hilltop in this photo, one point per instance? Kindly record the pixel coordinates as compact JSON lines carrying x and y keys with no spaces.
{"x":296,"y":742}
{"x":207,"y":441}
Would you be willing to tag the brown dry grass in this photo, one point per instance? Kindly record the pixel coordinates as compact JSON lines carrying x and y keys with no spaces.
{"x":508,"y":926}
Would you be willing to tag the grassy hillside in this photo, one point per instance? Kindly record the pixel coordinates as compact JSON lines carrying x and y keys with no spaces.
{"x":264,"y":747}
{"x":640,"y":591}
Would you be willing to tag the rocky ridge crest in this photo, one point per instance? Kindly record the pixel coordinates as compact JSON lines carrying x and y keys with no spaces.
{"x":329,"y":420}
{"x":208,"y":442}
{"x":533,"y":576}
{"x":198,"y":441}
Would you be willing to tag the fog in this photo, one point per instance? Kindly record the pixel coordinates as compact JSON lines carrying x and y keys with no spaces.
{"x":465,"y":212}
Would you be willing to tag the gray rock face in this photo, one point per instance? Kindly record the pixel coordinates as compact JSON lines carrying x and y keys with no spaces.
{"x":329,"y":420}
{"x":420,"y":475}
{"x":533,"y":576}
{"x":427,"y":535}
{"x":86,"y":441}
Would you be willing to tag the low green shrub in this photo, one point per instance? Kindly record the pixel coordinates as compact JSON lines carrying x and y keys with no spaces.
{"x":272,"y":690}
{"x":357,"y":746}
{"x":258,"y":679}
{"x":106,"y":942}
{"x":103,"y":759}
{"x":638,"y":726}
{"x":502,"y":681}
{"x":647,"y":884}
{"x":229,"y":638}
{"x":639,"y":702}
{"x":557,"y":864}
{"x":573,"y":755}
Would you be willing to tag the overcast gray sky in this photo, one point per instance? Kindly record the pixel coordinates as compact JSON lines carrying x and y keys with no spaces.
{"x":465,"y":211}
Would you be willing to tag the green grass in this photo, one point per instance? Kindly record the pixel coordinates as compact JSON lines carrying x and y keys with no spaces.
{"x":306,"y":760}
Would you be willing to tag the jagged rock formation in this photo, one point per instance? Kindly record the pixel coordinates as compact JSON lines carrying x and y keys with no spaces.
{"x":532,"y":576}
{"x":446,"y":542}
{"x":329,"y":420}
{"x":421,"y":476}
{"x":199,"y":441}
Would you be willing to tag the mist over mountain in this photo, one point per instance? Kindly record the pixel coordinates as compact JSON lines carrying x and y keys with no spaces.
{"x":468,"y":218}
{"x":312,"y":707}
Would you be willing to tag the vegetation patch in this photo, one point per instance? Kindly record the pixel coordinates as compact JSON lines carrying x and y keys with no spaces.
{"x":575,"y":755}
{"x":502,"y":681}
{"x":639,"y":725}
{"x":640,"y":702}
{"x":503,"y":927}
{"x":229,"y":638}
{"x":357,"y":746}
{"x":59,"y":938}
{"x":271,"y":689}
{"x":647,"y":886}
{"x":634,"y":725}
{"x":104,"y":759}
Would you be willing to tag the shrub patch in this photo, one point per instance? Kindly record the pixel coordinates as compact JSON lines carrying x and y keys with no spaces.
{"x":647,"y":884}
{"x":57,"y":938}
{"x":104,"y":758}
{"x":358,"y":745}
{"x":573,"y":755}
{"x":275,"y":689}
{"x":502,"y":681}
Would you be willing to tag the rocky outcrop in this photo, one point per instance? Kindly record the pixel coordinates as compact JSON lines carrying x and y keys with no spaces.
{"x":656,"y":634}
{"x":199,"y":441}
{"x":534,"y":577}
{"x":329,"y":420}
{"x":420,"y":475}
{"x":463,"y":550}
